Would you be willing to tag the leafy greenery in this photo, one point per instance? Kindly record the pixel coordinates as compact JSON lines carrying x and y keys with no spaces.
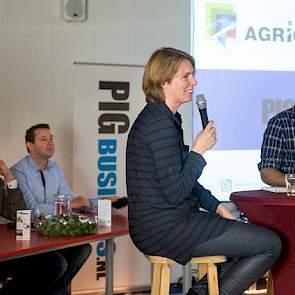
{"x":67,"y":225}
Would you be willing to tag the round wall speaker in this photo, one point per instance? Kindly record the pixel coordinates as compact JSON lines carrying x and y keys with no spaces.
{"x":74,"y":10}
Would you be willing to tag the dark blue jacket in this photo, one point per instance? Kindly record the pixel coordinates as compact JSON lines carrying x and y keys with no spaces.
{"x":164,"y":196}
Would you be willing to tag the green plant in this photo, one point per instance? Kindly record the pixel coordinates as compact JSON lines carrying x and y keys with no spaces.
{"x":67,"y":225}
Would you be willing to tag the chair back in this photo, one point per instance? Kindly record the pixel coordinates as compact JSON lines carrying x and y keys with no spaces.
{"x":10,"y":203}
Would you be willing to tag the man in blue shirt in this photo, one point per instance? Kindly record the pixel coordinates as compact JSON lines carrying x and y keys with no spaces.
{"x":40,"y":178}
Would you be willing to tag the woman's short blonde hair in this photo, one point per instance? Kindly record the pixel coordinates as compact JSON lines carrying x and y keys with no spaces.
{"x":160,"y":68}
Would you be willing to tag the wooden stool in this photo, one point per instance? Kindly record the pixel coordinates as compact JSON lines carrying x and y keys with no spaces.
{"x":207,"y":265}
{"x":162,"y":266}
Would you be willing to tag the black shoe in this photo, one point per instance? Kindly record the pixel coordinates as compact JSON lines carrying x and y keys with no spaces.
{"x":191,"y":292}
{"x":202,"y":282}
{"x":199,"y":288}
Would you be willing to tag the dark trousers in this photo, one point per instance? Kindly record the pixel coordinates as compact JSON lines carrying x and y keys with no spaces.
{"x":251,"y":250}
{"x":47,"y":273}
{"x":74,"y":258}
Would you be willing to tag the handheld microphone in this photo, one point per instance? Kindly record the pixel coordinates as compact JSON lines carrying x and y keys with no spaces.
{"x":202,"y":106}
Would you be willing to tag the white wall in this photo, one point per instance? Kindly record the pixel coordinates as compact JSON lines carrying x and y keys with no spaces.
{"x":38,"y":48}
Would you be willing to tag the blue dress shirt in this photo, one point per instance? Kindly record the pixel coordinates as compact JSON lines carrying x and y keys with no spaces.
{"x":35,"y":194}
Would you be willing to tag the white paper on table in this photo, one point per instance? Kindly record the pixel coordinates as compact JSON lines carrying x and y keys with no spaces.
{"x":104,"y":212}
{"x":275,"y":189}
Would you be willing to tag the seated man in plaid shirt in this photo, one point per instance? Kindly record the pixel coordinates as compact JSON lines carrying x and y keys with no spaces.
{"x":278,"y":148}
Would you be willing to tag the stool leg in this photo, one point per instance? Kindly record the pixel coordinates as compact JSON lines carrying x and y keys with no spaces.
{"x":156,"y":279}
{"x":212,"y":279}
{"x":202,"y":270}
{"x":253,"y":287}
{"x":165,"y":279}
{"x":269,"y":285}
{"x":186,"y":278}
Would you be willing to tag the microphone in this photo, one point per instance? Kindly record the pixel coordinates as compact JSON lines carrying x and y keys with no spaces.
{"x":202,"y":106}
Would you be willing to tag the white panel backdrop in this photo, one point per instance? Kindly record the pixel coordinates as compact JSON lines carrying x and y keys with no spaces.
{"x":37,"y":50}
{"x":86,"y":135}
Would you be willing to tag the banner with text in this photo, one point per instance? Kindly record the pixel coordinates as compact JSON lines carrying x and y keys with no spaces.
{"x":108,"y":98}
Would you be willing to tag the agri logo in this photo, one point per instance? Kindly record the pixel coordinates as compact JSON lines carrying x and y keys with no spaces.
{"x":221,"y":22}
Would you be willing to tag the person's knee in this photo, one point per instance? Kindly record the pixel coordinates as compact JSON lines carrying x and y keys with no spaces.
{"x":61,"y":265}
{"x":276,"y":244}
{"x":266,"y":239}
{"x":53,"y":264}
{"x":271,"y":243}
{"x":84,"y":252}
{"x":87,"y":249}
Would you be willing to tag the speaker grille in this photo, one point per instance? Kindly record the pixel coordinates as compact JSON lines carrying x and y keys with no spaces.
{"x":74,"y":10}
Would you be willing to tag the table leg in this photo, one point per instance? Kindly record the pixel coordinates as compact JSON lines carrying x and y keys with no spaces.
{"x":109,"y":265}
{"x":187,"y":278}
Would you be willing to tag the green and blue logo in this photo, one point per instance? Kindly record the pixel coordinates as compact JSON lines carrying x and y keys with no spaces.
{"x":221,"y":22}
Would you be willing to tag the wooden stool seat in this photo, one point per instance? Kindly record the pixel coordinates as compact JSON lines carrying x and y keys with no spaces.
{"x":162,"y":267}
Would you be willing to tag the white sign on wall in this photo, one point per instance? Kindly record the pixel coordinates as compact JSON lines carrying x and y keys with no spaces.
{"x":244,"y":35}
{"x":108,"y":98}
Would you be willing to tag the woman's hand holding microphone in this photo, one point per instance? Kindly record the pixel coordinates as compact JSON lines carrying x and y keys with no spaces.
{"x":205,"y":139}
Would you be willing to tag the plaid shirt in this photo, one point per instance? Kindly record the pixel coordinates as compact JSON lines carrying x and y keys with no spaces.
{"x":278,"y":146}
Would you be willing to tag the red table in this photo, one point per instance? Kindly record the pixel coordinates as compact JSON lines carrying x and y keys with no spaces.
{"x":275,"y":211}
{"x":10,"y":248}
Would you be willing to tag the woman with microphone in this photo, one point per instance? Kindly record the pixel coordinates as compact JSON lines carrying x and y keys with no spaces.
{"x":164,"y":195}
